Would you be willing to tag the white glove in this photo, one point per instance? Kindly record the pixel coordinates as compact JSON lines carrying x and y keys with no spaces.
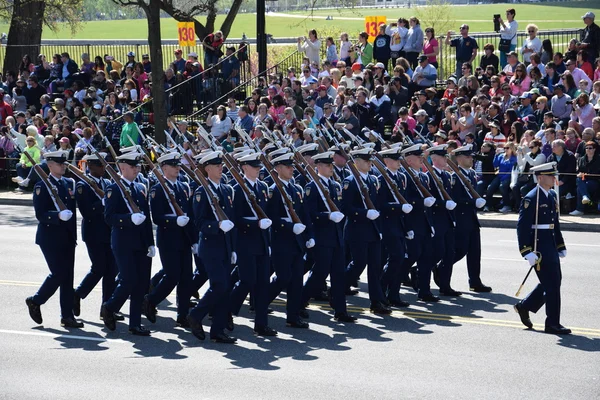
{"x":310,"y":244}
{"x":65,"y":215}
{"x":406,"y":208}
{"x":450,"y":205}
{"x":264,"y":223}
{"x":410,"y":235}
{"x":151,"y":251}
{"x":183,"y":220}
{"x":195,"y":248}
{"x":531,"y":258}
{"x":226,"y":225}
{"x":298,"y":228}
{"x":336,"y":216}
{"x":233,"y":257}
{"x":372,"y":214}
{"x":287,"y":219}
{"x":562,"y":253}
{"x":138,"y":218}
{"x":479,"y":203}
{"x":429,"y":201}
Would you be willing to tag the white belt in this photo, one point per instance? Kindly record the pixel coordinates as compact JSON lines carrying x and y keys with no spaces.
{"x":546,"y":226}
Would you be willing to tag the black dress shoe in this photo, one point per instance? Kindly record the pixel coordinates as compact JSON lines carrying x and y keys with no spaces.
{"x":182,"y":322}
{"x":76,"y":304}
{"x":303,"y":314}
{"x":351,"y":292}
{"x":406,"y":282}
{"x":321,"y":296}
{"x":429,"y":298}
{"x":34,"y":310}
{"x":229,"y":326}
{"x":265,"y":331}
{"x":344,"y":317}
{"x":118,"y":316}
{"x":523,"y":314}
{"x":450,"y":292}
{"x":197,"y":328}
{"x":378,"y":307}
{"x":193,"y":303}
{"x":139,"y":331}
{"x":223,"y":338}
{"x":557,"y":330}
{"x":109,"y":318}
{"x":148,"y":310}
{"x":70,"y":323}
{"x":397,"y":303}
{"x":299,"y":323}
{"x":481,"y":288}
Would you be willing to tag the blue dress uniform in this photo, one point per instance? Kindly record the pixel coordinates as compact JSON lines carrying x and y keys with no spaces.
{"x":131,"y":245}
{"x":57,"y":240}
{"x":174,"y":243}
{"x":393,"y":230}
{"x":550,"y":246}
{"x":467,"y":225}
{"x":215,"y":249}
{"x":252,"y":244}
{"x":95,"y":232}
{"x":329,"y":242}
{"x":443,"y":223}
{"x":420,"y":222}
{"x":363,"y":235}
{"x":288,"y":248}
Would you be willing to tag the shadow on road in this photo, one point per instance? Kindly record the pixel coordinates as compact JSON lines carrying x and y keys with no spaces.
{"x":578,"y":342}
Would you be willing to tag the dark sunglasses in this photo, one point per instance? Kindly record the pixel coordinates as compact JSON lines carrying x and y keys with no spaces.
{"x":590,"y":148}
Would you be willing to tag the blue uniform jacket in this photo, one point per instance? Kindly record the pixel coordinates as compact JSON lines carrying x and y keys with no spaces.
{"x":465,"y":211}
{"x":327,"y":232}
{"x":358,"y":227}
{"x":442,"y":217}
{"x":52,"y":230}
{"x":419,"y":220}
{"x":214,"y":243}
{"x":169,"y":235}
{"x":93,"y":226}
{"x":392,"y":216}
{"x":250,"y":237}
{"x":550,"y":241}
{"x":124,"y":233}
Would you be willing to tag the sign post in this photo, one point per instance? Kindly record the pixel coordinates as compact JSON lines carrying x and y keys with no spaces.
{"x":372,"y":26}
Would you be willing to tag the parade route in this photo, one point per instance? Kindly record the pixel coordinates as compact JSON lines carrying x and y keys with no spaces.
{"x":461,"y":348}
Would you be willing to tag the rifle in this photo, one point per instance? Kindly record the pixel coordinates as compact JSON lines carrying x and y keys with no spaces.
{"x":466,"y":182}
{"x":42,"y":174}
{"x":436,"y":178}
{"x":116,"y":178}
{"x":161,"y":179}
{"x":111,"y":150}
{"x":185,"y":139}
{"x":146,"y":141}
{"x":90,"y":182}
{"x":275,"y":176}
{"x":228,"y":158}
{"x":297,"y":164}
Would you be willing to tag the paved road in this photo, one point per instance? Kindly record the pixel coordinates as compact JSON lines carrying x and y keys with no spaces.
{"x":473,"y":347}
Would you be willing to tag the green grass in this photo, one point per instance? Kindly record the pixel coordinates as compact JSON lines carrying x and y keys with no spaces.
{"x":479,"y":18}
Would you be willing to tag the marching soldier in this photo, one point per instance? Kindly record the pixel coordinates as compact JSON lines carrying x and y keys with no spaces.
{"x":174,"y":239}
{"x":362,"y":231}
{"x":215,"y":249}
{"x":443,"y":220}
{"x":95,"y":232}
{"x":127,"y":213}
{"x":467,"y":224}
{"x":287,"y":242}
{"x":392,"y":226}
{"x":57,"y":237}
{"x":329,"y":238}
{"x":253,"y":245}
{"x":419,"y":225}
{"x":542,"y":245}
{"x":340,"y":169}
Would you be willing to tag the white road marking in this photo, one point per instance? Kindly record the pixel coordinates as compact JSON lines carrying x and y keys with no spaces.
{"x":59,"y":336}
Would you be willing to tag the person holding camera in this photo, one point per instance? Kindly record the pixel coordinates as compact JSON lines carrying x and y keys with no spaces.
{"x":583,"y":112}
{"x":508,"y":31}
{"x":466,"y":49}
{"x":310,"y":46}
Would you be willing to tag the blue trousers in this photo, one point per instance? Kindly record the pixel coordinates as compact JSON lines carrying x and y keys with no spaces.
{"x":503,"y":185}
{"x":132,"y":284}
{"x":103,"y":267}
{"x":253,"y":276}
{"x":443,"y":254}
{"x":328,"y":261}
{"x":216,"y":298}
{"x":589,"y":188}
{"x":289,"y":270}
{"x":395,"y":252}
{"x":419,"y":251}
{"x":61,"y":263}
{"x":468,"y":243}
{"x":547,"y":291}
{"x":177,"y":271}
{"x":364,"y":254}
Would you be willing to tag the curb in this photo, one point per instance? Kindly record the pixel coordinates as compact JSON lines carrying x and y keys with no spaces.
{"x":17,"y":202}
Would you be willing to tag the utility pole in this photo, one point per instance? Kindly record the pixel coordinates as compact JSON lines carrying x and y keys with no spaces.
{"x":261,"y":36}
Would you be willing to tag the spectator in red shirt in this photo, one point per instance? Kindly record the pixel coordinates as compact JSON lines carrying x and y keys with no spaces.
{"x":212,"y":48}
{"x":5,"y":109}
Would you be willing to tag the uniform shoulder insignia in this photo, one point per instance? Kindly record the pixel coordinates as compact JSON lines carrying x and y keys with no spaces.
{"x":270,"y":191}
{"x":153,"y":193}
{"x":307,"y":190}
{"x":80,"y":189}
{"x":346,"y":185}
{"x":108,"y":193}
{"x":38,"y":190}
{"x":526,"y":202}
{"x":198,"y":196}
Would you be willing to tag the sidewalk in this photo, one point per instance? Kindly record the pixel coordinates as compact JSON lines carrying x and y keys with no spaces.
{"x":586,"y":223}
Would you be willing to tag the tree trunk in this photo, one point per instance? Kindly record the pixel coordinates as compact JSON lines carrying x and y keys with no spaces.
{"x":25,"y":33}
{"x":228,"y":22}
{"x":158,"y":77}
